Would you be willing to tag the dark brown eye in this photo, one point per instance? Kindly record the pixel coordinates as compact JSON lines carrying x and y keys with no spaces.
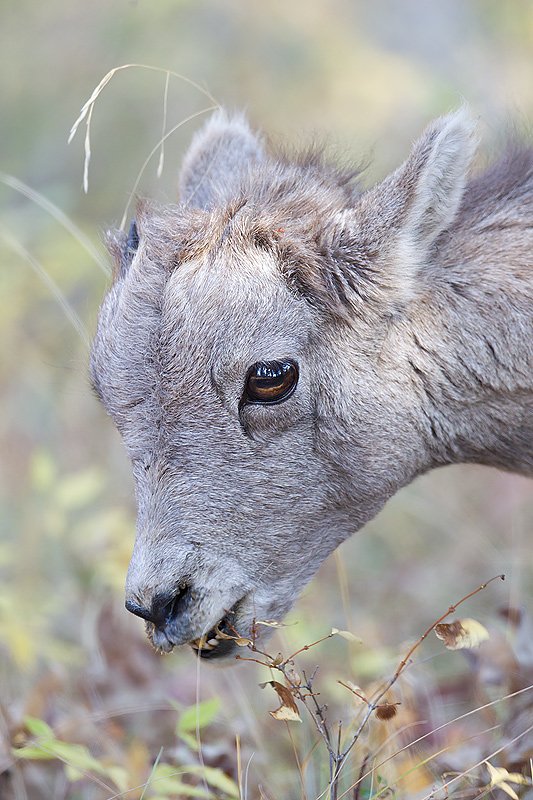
{"x":270,"y":382}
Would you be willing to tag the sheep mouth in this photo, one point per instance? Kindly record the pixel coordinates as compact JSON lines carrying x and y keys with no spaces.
{"x":221,"y":641}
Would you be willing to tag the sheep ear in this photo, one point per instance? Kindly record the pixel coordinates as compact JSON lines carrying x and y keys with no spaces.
{"x":218,"y":159}
{"x":387,"y":235}
{"x":433,"y":178}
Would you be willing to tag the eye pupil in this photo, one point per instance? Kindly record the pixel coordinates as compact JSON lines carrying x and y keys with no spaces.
{"x":270,"y":382}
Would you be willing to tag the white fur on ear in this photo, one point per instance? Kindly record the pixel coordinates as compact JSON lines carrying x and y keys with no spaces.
{"x":436,"y":172}
{"x":220,"y":154}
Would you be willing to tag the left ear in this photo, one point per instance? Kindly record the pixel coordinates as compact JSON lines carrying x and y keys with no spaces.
{"x":218,"y":160}
{"x":390,"y":231}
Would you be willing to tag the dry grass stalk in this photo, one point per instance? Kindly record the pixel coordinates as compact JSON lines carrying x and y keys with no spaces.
{"x":303,"y":690}
{"x":86,"y":112}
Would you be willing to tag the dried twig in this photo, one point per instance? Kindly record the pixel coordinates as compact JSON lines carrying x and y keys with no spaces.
{"x":303,"y":691}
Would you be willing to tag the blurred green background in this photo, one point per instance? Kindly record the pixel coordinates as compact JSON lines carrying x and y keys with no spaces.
{"x":364,"y":76}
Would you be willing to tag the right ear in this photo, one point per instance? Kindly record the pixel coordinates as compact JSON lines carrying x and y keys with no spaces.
{"x":389,"y":234}
{"x":220,"y":155}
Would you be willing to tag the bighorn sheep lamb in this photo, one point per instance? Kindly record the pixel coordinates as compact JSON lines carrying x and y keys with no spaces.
{"x":282,"y":351}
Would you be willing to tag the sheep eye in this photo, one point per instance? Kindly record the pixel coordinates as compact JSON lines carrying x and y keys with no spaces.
{"x":270,"y":382}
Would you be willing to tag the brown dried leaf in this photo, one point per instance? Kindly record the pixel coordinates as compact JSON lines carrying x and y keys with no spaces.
{"x":288,"y":709}
{"x":386,"y":711}
{"x":461,"y":634}
{"x":270,"y":623}
{"x":285,"y":714}
{"x":501,"y":778}
{"x":350,"y":637}
{"x":241,"y":641}
{"x":221,"y":635}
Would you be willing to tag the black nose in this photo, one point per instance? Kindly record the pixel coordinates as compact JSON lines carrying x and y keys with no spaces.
{"x":165,"y":608}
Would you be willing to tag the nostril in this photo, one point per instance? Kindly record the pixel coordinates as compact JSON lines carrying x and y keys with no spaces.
{"x":165,"y":607}
{"x":170,"y":608}
{"x":139,"y":611}
{"x":176,"y":605}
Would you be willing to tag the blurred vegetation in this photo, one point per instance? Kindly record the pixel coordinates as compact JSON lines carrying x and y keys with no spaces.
{"x":76,"y":675}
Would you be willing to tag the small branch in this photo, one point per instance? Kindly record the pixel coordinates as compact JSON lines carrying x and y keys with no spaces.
{"x":308,"y":647}
{"x":303,"y":691}
{"x":358,"y":786}
{"x":376,"y":701}
{"x":451,"y":610}
{"x":360,"y":696}
{"x":318,"y":708}
{"x":255,"y":660}
{"x":334,"y":783}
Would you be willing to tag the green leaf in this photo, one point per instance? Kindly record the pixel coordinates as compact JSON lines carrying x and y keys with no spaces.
{"x":77,"y":759}
{"x":218,"y":779}
{"x":120,"y":778}
{"x":38,"y":727}
{"x":198,"y":716}
{"x":166,"y":782}
{"x":32,"y":753}
{"x":189,"y":740}
{"x":40,"y":750}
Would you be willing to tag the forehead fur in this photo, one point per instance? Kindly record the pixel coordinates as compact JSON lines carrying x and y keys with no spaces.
{"x":286,"y":208}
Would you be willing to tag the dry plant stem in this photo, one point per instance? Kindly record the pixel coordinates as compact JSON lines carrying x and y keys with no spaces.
{"x":239,"y":763}
{"x":255,"y":660}
{"x":87,"y":109}
{"x":318,"y":713}
{"x":43,"y":202}
{"x":319,"y":710}
{"x":426,"y":633}
{"x":152,"y":153}
{"x":298,"y":762}
{"x":50,"y":284}
{"x":307,"y":647}
{"x":436,"y":730}
{"x":435,"y":755}
{"x":304,"y":692}
{"x":165,"y":114}
{"x":375,"y":702}
{"x":334,"y":782}
{"x":152,"y":773}
{"x":357,"y":694}
{"x":358,"y":785}
{"x":299,"y":689}
{"x":383,"y":691}
{"x":483,"y":761}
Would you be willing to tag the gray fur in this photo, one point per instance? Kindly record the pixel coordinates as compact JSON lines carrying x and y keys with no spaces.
{"x":408,"y":307}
